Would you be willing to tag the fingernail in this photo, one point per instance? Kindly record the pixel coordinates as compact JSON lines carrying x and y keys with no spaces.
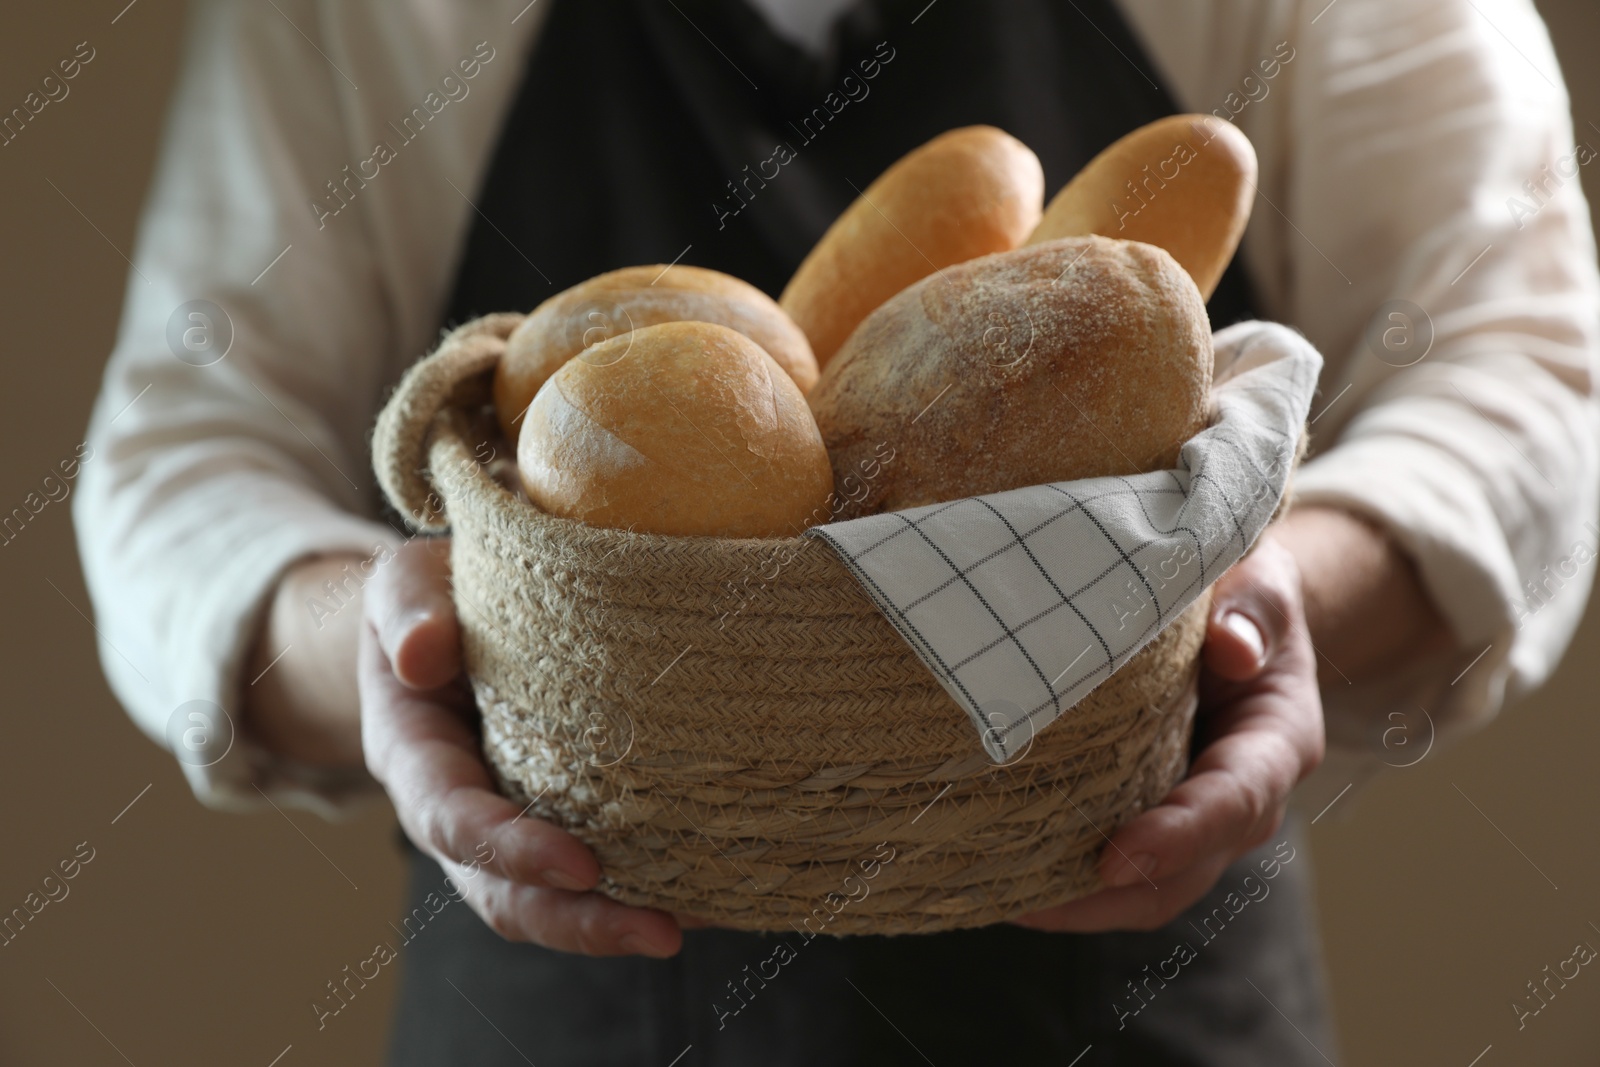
{"x":411,"y":620}
{"x":562,"y":880}
{"x":1143,"y":865}
{"x":638,"y":946}
{"x":1245,"y":629}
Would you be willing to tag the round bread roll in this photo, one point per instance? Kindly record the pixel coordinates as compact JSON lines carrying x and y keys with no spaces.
{"x":614,"y":303}
{"x":1184,"y":183}
{"x":684,"y":428}
{"x":964,"y":194}
{"x":1073,"y":359}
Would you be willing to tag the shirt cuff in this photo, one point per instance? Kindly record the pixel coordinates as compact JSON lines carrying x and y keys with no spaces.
{"x":1436,"y":512}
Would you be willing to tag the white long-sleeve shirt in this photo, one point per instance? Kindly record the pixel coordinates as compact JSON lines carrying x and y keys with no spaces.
{"x":1411,"y":150}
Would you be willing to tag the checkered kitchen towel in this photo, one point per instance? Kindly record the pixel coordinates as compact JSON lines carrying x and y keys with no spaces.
{"x":1022,"y":602}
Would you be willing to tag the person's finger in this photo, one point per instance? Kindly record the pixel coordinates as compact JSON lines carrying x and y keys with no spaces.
{"x":1252,"y":606}
{"x":1236,"y":646}
{"x":586,"y":923}
{"x":1261,"y":736}
{"x":408,"y":603}
{"x":427,"y":758}
{"x":1137,"y":907}
{"x":1234,"y":798}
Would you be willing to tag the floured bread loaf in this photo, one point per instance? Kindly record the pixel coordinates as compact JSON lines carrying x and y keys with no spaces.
{"x":1184,"y":183}
{"x":684,"y":428}
{"x":1071,"y":359}
{"x":964,"y":194}
{"x":614,"y":303}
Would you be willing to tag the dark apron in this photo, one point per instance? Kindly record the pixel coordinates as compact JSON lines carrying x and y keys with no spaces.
{"x":645,"y":132}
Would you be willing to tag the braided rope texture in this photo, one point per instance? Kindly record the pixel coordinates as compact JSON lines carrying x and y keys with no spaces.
{"x":697,"y":709}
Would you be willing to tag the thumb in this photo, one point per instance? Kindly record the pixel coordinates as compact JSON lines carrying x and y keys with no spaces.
{"x":411,"y":611}
{"x":1248,"y":619}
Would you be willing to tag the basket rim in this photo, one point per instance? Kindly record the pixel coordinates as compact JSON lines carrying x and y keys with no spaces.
{"x":438,"y":381}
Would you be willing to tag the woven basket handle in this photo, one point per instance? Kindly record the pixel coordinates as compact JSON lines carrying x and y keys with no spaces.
{"x":408,"y":422}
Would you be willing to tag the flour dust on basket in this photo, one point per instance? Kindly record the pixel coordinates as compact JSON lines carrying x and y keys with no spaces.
{"x":1021,"y":602}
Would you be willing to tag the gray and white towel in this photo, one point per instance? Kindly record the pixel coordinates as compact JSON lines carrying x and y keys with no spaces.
{"x":1022,"y":602}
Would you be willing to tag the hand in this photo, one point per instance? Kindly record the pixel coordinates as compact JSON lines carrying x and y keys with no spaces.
{"x":525,"y":877}
{"x":1261,"y":724}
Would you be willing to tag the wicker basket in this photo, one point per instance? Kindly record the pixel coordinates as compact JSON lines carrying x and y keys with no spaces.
{"x":690,"y":708}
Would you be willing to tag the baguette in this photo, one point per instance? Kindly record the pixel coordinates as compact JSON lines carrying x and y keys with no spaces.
{"x":964,"y":194}
{"x":1183,"y":183}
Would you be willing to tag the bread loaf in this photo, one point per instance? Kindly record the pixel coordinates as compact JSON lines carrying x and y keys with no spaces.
{"x":964,"y":194}
{"x":1071,"y":359}
{"x":1183,"y":183}
{"x":684,"y":428}
{"x":614,"y":303}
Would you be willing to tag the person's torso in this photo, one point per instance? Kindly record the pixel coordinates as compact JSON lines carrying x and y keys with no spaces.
{"x":692,"y":132}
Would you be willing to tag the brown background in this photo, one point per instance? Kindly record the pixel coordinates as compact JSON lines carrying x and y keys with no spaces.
{"x":194,"y":937}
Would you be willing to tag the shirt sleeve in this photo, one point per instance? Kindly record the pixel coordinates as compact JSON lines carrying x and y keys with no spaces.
{"x":1436,"y":170}
{"x":257,"y":337}
{"x":1420,"y":219}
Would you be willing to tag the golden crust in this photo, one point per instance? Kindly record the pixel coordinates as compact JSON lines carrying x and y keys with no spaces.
{"x":684,"y":428}
{"x":621,"y":300}
{"x":964,"y":194}
{"x":1071,"y":359}
{"x":1184,"y":183}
